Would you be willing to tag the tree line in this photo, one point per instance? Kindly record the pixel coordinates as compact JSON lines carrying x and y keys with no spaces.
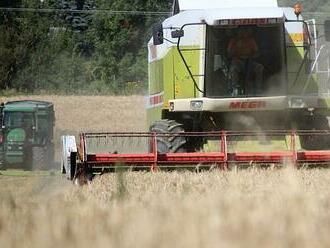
{"x":93,"y":52}
{"x":69,"y":52}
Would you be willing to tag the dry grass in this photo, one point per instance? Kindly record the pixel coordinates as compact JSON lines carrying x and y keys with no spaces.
{"x":95,"y":113}
{"x":250,"y":208}
{"x":75,"y":114}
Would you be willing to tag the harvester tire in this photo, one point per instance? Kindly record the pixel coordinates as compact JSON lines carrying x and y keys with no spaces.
{"x":169,"y":143}
{"x":318,"y":142}
{"x":39,"y":158}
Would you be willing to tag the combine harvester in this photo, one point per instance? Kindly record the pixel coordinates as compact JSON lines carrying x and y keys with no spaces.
{"x":231,"y":82}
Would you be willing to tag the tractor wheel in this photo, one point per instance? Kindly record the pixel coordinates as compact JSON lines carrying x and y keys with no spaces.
{"x":28,"y":159}
{"x":3,"y":166}
{"x":170,"y":143}
{"x":39,"y":158}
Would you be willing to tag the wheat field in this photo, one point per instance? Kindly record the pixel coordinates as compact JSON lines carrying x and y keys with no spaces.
{"x":247,"y":208}
{"x":75,"y":114}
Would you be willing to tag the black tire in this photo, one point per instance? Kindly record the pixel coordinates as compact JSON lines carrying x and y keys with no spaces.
{"x":171,"y":143}
{"x":316,"y":142}
{"x":3,"y":166}
{"x":325,"y":126}
{"x":28,"y":159}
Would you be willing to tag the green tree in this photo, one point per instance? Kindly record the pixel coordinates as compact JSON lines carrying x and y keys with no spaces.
{"x":121,"y":40}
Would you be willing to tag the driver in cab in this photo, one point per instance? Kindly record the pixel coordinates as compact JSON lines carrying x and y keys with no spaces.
{"x":242,"y":49}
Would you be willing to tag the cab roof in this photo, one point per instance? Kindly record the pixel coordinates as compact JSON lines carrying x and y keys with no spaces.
{"x":27,"y":105}
{"x":213,"y":11}
{"x":220,"y":4}
{"x":213,"y":16}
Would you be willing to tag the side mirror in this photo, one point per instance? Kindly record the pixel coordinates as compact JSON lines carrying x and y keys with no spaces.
{"x":177,"y":34}
{"x":327,"y":30}
{"x":158,"y":34}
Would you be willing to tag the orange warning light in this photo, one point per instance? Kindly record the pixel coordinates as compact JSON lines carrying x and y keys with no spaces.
{"x":297,"y":9}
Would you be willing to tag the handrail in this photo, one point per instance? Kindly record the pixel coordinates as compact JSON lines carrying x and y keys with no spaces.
{"x":313,"y":68}
{"x":184,"y":60}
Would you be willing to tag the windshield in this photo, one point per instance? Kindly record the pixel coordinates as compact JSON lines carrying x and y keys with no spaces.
{"x":245,"y":61}
{"x":18,"y":119}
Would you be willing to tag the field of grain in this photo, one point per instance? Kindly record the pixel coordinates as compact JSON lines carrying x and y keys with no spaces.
{"x":75,"y":114}
{"x":248,"y":208}
{"x":94,"y":113}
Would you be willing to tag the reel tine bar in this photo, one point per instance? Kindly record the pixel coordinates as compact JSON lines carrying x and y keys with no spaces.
{"x":223,"y":157}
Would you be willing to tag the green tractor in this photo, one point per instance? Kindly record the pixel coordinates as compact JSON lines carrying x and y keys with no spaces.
{"x":27,"y":135}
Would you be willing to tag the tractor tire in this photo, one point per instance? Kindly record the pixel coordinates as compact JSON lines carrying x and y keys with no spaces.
{"x":28,"y":159}
{"x":170,"y":143}
{"x":3,"y":166}
{"x":39,"y":158}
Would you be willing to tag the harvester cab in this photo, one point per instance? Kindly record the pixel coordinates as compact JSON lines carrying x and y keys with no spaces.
{"x":230,"y":82}
{"x":238,"y":66}
{"x":27,"y":134}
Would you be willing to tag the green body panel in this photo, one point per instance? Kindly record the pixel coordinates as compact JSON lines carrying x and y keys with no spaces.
{"x":16,"y":135}
{"x":14,"y":157}
{"x":156,"y":77}
{"x":325,"y":103}
{"x":298,"y":72}
{"x":169,"y":69}
{"x":184,"y":87}
{"x":170,"y":76}
{"x":153,"y":114}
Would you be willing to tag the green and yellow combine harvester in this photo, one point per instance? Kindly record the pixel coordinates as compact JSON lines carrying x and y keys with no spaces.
{"x":230,"y":83}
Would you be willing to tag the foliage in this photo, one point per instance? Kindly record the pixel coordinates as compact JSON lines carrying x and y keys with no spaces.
{"x":97,"y":53}
{"x":70,"y":52}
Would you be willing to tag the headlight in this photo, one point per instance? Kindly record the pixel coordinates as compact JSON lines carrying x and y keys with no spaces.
{"x":298,"y":103}
{"x":196,"y":105}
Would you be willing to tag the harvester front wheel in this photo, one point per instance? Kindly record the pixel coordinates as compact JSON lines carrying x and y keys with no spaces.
{"x":316,"y":142}
{"x":172,"y":142}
